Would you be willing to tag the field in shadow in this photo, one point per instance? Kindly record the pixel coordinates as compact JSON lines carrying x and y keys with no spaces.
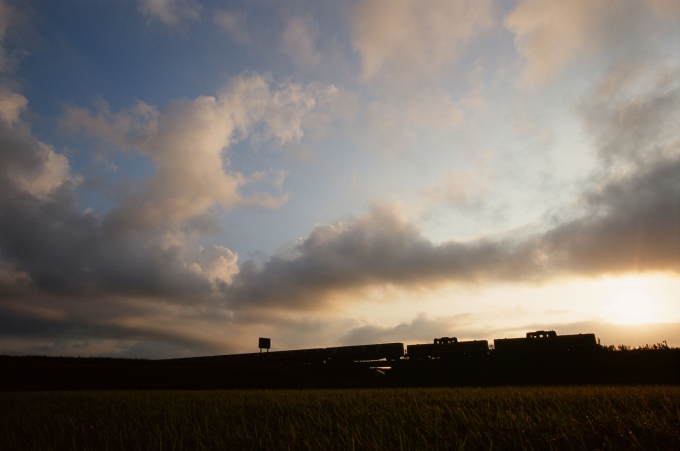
{"x":650,"y":366}
{"x":522,"y":418}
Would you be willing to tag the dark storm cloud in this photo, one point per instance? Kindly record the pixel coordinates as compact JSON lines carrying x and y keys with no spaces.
{"x":633,"y":224}
{"x":70,"y":328}
{"x":65,"y":250}
{"x":634,"y":127}
{"x":379,"y":248}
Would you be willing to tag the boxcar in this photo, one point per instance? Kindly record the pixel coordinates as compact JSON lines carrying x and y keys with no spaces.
{"x":447,"y":347}
{"x":314,"y":355}
{"x":387,"y":351}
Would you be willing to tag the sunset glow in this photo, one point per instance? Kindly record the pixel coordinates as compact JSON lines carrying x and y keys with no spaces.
{"x":633,"y":301}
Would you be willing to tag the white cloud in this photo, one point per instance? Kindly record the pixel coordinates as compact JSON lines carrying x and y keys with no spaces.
{"x":123,"y":129}
{"x":31,"y":165}
{"x":665,"y":9}
{"x":13,"y":280}
{"x":4,"y":18}
{"x":411,"y":38}
{"x":188,"y":139}
{"x":235,"y":24}
{"x":217,"y":263}
{"x":14,"y":30}
{"x":289,"y":250}
{"x":633,"y":115}
{"x":460,"y":187}
{"x":170,"y":12}
{"x":281,"y":114}
{"x":11,"y":105}
{"x":398,"y":121}
{"x":551,"y":34}
{"x":298,"y":42}
{"x":55,"y":171}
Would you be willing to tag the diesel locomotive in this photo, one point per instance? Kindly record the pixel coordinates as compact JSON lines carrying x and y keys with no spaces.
{"x":546,"y":340}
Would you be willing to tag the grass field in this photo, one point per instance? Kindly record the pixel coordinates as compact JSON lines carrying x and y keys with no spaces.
{"x":506,"y":418}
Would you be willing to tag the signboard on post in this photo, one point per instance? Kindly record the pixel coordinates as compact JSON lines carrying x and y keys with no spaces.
{"x":264,"y":343}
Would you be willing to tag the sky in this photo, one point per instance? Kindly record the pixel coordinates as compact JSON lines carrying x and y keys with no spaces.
{"x":181,"y":177}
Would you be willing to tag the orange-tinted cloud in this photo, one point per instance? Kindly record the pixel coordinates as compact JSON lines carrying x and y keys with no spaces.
{"x":552,"y":34}
{"x":409,"y":39}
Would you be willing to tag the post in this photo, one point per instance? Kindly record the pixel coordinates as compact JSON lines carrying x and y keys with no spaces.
{"x":264,"y":343}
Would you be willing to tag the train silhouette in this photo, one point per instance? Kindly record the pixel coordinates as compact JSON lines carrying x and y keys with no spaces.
{"x":539,"y":358}
{"x":442,"y":348}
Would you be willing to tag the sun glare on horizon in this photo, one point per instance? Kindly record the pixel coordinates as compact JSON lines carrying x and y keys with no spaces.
{"x":632,"y":301}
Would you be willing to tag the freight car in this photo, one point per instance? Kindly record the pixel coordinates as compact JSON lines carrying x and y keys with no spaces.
{"x":384,"y":351}
{"x":297,"y":356}
{"x":546,"y":341}
{"x":447,"y":347}
{"x":341,"y":354}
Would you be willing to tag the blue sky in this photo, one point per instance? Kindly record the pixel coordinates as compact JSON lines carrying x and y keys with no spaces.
{"x":183,"y":176}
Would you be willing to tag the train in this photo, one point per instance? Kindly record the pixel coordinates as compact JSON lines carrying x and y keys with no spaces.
{"x":389,"y":353}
